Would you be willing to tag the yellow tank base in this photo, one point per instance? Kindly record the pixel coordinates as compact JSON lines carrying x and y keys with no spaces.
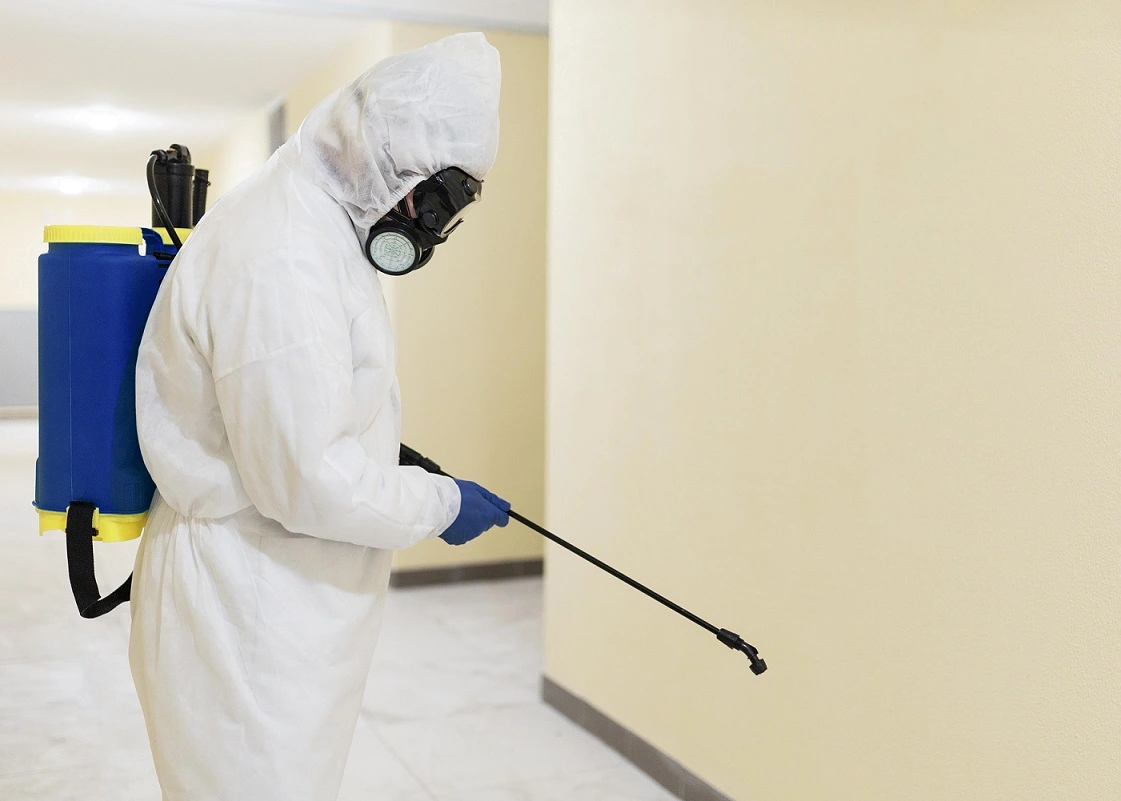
{"x":110,"y":528}
{"x":183,"y":234}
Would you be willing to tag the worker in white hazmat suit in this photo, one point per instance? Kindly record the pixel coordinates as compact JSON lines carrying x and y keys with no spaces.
{"x":269,"y":416}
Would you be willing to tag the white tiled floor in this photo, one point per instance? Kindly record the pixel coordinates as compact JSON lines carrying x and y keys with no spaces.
{"x":451,"y":711}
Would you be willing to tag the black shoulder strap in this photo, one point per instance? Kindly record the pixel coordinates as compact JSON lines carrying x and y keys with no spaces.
{"x":79,"y":558}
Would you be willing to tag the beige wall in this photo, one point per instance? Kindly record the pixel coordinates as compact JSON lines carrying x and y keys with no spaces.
{"x":23,"y":214}
{"x":237,"y":156}
{"x":22,"y":218}
{"x":247,"y":147}
{"x":470,"y":325}
{"x":833,"y":360}
{"x":371,"y":46}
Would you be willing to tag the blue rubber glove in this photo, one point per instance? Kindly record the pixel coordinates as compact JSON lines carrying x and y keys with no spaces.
{"x":479,"y":510}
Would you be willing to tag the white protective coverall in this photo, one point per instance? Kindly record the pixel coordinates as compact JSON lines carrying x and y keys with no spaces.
{"x":269,"y":416}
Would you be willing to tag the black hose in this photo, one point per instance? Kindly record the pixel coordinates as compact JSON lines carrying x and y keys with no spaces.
{"x":157,"y":201}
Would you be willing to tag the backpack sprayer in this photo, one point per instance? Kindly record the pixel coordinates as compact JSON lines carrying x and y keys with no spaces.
{"x":95,"y":292}
{"x":729,"y":638}
{"x":96,"y":288}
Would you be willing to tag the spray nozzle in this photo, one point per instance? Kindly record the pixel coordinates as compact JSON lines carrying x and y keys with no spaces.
{"x":737,"y":643}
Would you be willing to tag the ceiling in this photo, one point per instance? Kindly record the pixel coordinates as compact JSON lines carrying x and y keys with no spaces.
{"x":88,"y":89}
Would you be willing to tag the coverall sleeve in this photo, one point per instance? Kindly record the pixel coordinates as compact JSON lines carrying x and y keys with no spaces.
{"x":283,"y":374}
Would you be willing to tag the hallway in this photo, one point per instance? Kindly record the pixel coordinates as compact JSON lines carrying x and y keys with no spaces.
{"x":452,"y":710}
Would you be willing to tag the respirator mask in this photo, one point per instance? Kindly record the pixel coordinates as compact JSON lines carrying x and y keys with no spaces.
{"x":400,"y":242}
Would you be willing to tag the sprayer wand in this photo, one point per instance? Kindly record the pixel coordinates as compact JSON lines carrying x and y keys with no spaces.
{"x":729,"y":638}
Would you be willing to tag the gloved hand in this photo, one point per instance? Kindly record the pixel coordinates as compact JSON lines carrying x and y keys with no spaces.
{"x":479,"y":510}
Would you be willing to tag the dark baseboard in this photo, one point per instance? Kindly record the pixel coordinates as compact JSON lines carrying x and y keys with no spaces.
{"x":664,"y":770}
{"x":490,"y":571}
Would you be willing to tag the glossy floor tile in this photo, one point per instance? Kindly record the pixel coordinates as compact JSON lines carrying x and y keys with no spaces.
{"x":495,"y":747}
{"x":451,"y":710}
{"x":622,"y":783}
{"x":374,"y":772}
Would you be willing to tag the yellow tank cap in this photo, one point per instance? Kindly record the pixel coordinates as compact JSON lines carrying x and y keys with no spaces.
{"x":110,"y":528}
{"x":183,"y":234}
{"x":93,"y":234}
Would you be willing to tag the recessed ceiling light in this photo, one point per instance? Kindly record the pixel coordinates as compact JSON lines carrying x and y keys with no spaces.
{"x":102,"y":119}
{"x":71,"y":186}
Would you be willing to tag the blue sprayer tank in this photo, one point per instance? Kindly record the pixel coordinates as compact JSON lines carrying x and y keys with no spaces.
{"x":96,"y":287}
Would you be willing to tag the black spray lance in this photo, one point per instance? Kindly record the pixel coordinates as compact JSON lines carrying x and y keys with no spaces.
{"x":729,"y":638}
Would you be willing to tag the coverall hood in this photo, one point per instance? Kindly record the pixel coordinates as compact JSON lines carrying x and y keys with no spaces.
{"x":405,"y":119}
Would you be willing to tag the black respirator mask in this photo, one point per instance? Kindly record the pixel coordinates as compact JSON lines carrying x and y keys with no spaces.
{"x":399,"y":243}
